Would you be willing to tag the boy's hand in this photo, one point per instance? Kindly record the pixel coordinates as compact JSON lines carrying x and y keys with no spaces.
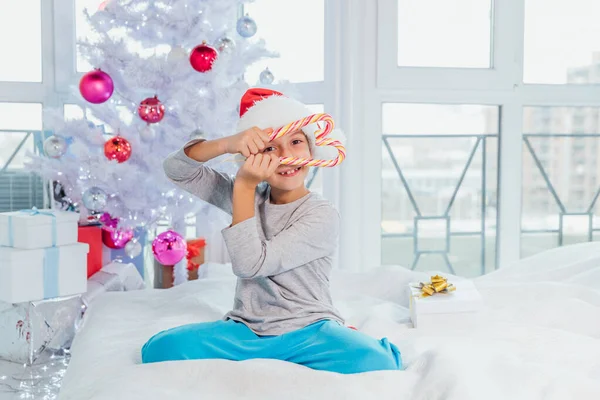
{"x":250,"y":141}
{"x":257,"y":168}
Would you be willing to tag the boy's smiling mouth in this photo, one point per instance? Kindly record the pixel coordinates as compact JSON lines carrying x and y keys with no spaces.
{"x":290,"y":172}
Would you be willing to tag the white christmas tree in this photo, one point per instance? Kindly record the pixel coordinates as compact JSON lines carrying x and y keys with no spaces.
{"x":164,"y":71}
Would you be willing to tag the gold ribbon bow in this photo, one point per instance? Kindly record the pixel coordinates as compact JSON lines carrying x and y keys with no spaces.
{"x":438,"y":284}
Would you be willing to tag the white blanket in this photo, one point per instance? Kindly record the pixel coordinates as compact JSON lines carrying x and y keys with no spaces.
{"x":540,"y":339}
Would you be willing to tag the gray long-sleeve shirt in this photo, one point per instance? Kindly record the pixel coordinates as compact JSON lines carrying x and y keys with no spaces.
{"x":282,"y":256}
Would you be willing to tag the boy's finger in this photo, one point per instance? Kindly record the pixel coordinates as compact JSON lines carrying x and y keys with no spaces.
{"x":246,"y":152}
{"x":265,"y":162}
{"x":266,"y":134}
{"x":259,"y":143}
{"x":273,"y":164}
{"x":252,"y":147}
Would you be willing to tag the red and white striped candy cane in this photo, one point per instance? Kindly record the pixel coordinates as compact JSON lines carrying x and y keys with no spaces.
{"x":321,"y":139}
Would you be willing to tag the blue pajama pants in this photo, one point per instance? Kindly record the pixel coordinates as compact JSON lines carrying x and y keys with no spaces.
{"x":325,"y":345}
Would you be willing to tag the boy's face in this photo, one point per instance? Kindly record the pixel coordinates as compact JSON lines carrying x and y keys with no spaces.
{"x":289,"y":177}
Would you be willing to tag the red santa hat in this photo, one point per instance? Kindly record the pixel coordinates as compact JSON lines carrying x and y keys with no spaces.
{"x":266,"y":108}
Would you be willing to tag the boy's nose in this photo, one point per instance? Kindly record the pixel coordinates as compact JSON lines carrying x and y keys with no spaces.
{"x":285,"y":152}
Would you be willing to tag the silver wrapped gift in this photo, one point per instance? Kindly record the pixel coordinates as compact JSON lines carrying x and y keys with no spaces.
{"x":28,"y":329}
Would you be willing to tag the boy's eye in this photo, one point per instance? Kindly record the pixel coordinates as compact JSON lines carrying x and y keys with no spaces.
{"x":296,"y":141}
{"x":271,"y":148}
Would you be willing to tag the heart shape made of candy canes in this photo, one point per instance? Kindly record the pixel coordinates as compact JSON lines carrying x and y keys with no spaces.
{"x":321,"y":139}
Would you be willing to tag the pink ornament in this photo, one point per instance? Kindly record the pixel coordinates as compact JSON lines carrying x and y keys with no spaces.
{"x":96,"y":86}
{"x":169,"y":248}
{"x":108,"y":222}
{"x":151,"y":110}
{"x":116,"y":238}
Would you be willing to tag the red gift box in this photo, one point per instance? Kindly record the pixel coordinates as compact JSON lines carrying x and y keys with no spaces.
{"x":92,"y":235}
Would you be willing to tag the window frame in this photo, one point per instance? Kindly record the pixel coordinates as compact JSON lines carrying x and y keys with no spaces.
{"x":501,"y":85}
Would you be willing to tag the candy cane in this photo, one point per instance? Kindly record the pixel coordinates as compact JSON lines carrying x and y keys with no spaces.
{"x":321,"y":139}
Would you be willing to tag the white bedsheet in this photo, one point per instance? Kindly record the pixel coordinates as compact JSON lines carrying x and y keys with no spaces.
{"x":540,"y":339}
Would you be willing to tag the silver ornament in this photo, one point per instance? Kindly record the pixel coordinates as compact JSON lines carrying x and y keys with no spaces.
{"x":147,"y":134}
{"x":55,"y":147}
{"x":177,"y":54}
{"x":225,"y":45}
{"x":94,"y":199}
{"x":133,"y":248}
{"x":266,"y":77}
{"x":246,"y":27}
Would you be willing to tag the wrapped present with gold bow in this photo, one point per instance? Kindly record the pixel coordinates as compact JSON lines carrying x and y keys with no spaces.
{"x":438,"y":284}
{"x":440,"y":303}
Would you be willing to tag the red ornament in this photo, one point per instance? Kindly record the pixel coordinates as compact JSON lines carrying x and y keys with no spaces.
{"x":118,"y":149}
{"x":151,"y":110}
{"x":202,"y":57}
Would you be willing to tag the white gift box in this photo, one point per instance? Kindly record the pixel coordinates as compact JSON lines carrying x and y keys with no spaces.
{"x":37,"y":274}
{"x":36,"y":229}
{"x":464,"y":305}
{"x":113,"y":277}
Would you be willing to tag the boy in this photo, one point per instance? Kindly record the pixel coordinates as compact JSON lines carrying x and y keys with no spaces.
{"x":281,"y":242}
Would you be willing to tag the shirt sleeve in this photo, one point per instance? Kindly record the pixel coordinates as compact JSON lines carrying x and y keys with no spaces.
{"x":312,"y":236}
{"x":198,"y":179}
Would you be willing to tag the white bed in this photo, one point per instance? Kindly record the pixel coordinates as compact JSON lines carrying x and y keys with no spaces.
{"x":540,"y":340}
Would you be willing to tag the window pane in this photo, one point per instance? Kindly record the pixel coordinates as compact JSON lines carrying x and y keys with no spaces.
{"x":561,"y":41}
{"x":21,"y":41}
{"x":294,"y":29}
{"x":21,"y":116}
{"x":561,"y":176}
{"x":441,"y":33}
{"x":18,"y":189}
{"x":440,"y":175}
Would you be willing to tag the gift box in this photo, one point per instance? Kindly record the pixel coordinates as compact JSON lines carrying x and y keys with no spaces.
{"x":459,"y":306}
{"x":109,"y":255}
{"x":38,"y":274}
{"x":35,"y":229}
{"x":28,"y":329}
{"x":92,"y":235}
{"x":164,"y":275}
{"x":114,"y":277}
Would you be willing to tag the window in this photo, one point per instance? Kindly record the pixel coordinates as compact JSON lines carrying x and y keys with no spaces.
{"x":457,"y":34}
{"x":21,"y":41}
{"x":294,"y":29}
{"x":566,"y":180}
{"x":439,"y":188}
{"x":18,"y":188}
{"x":561,"y":41}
